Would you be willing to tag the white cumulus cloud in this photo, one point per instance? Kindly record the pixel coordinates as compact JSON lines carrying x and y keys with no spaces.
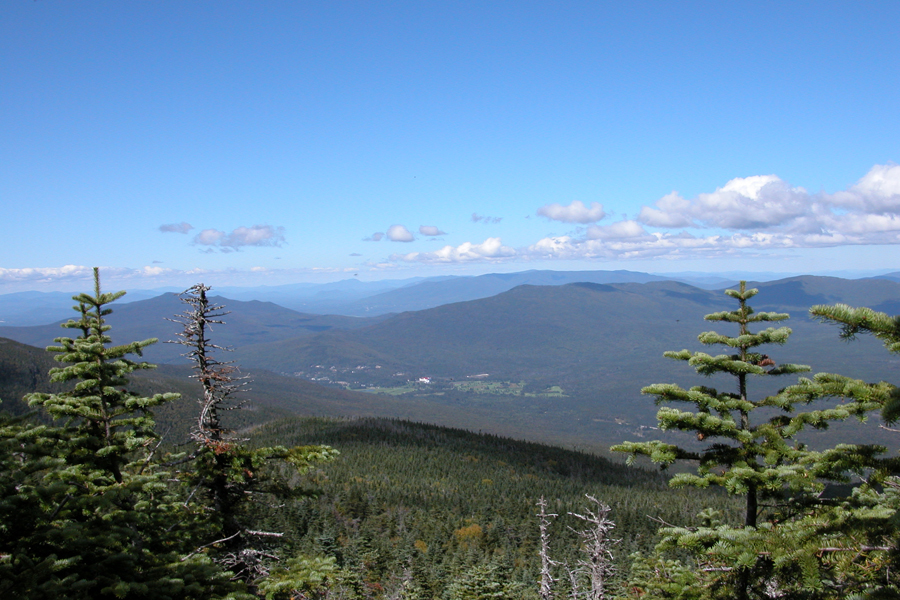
{"x":80,"y":275}
{"x":209,"y":237}
{"x":868,"y":212}
{"x":620,"y":230}
{"x":42,"y":274}
{"x":658,"y":245}
{"x":399,"y":233}
{"x":756,"y":202}
{"x":747,"y":216}
{"x":752,"y":203}
{"x":671,"y":211}
{"x":576,"y":212}
{"x":878,"y":191}
{"x":154,"y":271}
{"x":492,"y":249}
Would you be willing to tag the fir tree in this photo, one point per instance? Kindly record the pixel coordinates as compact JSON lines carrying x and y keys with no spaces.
{"x":856,"y":321}
{"x":857,"y":536}
{"x":485,"y":581}
{"x":735,"y":448}
{"x":93,"y":515}
{"x":748,"y":446}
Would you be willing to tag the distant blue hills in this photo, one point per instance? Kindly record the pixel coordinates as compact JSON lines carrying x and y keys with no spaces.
{"x":350,"y":297}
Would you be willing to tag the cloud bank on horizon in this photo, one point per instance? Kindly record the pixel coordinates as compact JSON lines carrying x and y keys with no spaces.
{"x":746,"y":215}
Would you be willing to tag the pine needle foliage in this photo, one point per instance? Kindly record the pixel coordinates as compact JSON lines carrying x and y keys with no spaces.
{"x":748,"y":446}
{"x":86,"y":511}
{"x":859,"y":533}
{"x":111,"y":421}
{"x":739,"y":453}
{"x":863,"y":320}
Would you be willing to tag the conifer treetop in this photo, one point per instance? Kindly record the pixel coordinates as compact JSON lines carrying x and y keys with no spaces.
{"x":99,"y":403}
{"x":736,"y":449}
{"x":93,"y":514}
{"x":792,"y":537}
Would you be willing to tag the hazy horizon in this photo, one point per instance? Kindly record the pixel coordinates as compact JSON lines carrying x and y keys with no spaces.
{"x":111,"y":283}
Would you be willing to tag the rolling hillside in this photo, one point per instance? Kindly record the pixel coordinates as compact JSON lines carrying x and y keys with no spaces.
{"x":797,"y":294}
{"x":585,"y":337}
{"x":534,"y":331}
{"x":437,"y":292}
{"x":247,"y":323}
{"x":405,"y":500}
{"x":561,"y":364}
{"x":596,"y":345}
{"x":24,"y":369}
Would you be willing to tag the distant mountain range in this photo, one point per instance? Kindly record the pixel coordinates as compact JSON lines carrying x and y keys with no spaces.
{"x":351,"y":297}
{"x":247,"y":323}
{"x":437,"y":292}
{"x":562,"y":363}
{"x":599,"y":343}
{"x":40,"y":308}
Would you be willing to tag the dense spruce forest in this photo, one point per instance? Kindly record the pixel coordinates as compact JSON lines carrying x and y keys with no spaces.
{"x":415,"y":507}
{"x":114,"y":485}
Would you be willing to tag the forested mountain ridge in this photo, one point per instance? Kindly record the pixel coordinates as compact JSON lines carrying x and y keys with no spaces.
{"x":800,"y":293}
{"x":248,"y":322}
{"x":23,"y":370}
{"x":435,"y":292}
{"x":592,"y":343}
{"x":561,"y":364}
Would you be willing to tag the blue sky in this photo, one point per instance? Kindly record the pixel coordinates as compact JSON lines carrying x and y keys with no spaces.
{"x":248,"y":143}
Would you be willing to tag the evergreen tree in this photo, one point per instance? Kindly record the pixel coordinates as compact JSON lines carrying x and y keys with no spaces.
{"x":485,"y":581}
{"x":737,"y":464}
{"x":861,"y":532}
{"x":856,"y":321}
{"x":307,"y":578}
{"x":93,"y":515}
{"x":748,"y":446}
{"x":26,"y":455}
